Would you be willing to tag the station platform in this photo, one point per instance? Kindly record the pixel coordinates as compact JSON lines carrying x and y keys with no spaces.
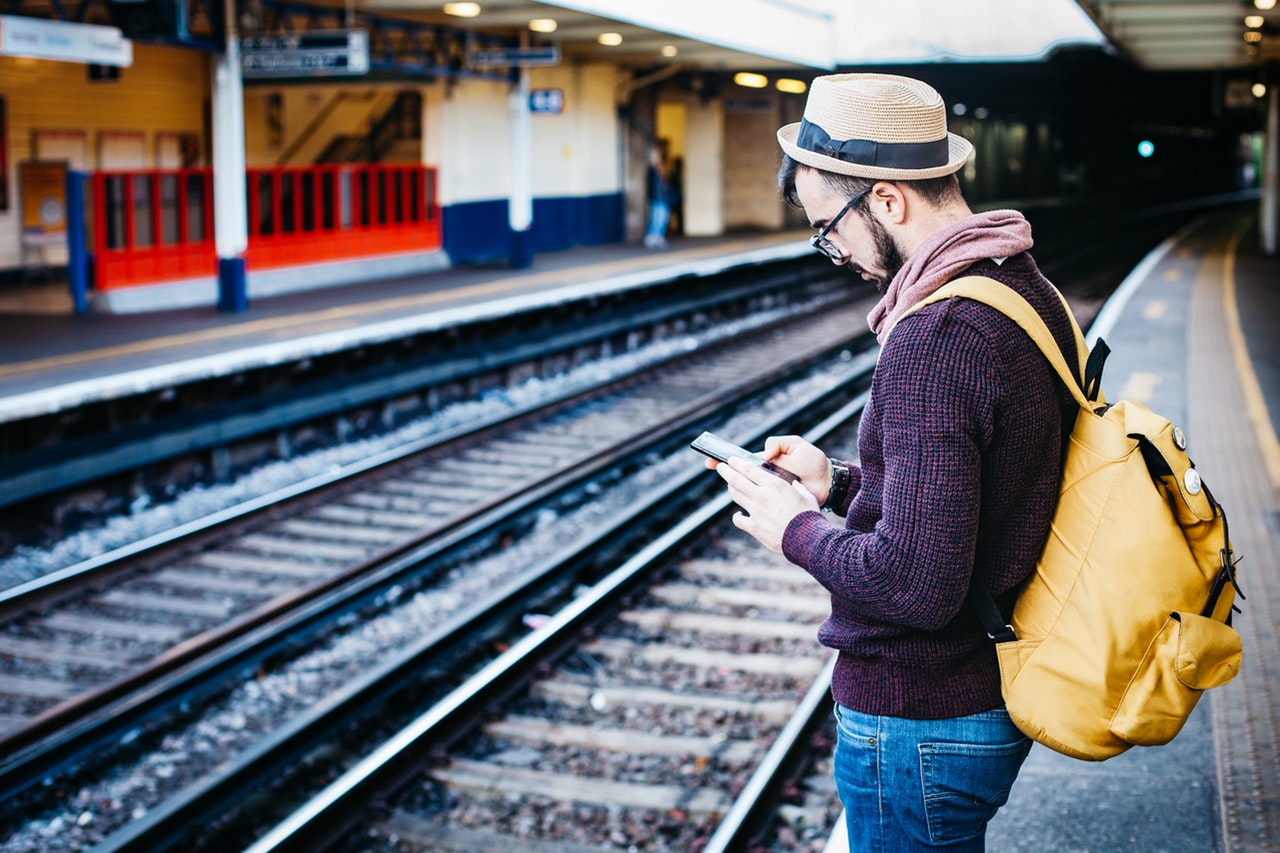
{"x":52,"y":359}
{"x":1192,"y":335}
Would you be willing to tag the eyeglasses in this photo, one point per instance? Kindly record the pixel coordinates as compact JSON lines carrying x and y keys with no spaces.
{"x":820,"y":242}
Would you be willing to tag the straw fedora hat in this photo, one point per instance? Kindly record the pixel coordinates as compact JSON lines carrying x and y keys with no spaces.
{"x":878,"y":126}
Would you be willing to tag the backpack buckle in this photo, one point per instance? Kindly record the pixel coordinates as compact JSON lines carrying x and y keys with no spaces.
{"x":1005,"y":636}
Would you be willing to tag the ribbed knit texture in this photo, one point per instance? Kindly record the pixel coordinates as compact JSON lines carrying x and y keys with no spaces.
{"x":960,"y":449}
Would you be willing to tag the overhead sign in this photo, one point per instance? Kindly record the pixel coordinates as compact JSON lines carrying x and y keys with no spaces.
{"x":522,"y":56}
{"x":1238,"y":95}
{"x":90,"y":44}
{"x":319,"y":53}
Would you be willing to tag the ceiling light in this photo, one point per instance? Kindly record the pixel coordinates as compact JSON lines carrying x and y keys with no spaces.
{"x":1254,"y":21}
{"x":751,"y":81}
{"x":790,"y":86}
{"x":1265,"y":5}
{"x":610,"y":39}
{"x":669,"y":50}
{"x":1253,"y":35}
{"x":1259,"y":89}
{"x":543,"y":25}
{"x":462,"y":10}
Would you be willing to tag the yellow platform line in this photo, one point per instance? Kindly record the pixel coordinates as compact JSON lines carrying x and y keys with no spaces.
{"x":1255,"y":402}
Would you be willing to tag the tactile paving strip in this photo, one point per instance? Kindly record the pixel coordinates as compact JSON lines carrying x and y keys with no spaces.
{"x":1226,"y":450}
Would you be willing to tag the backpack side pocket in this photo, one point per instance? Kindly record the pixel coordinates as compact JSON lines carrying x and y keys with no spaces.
{"x":1190,"y":654}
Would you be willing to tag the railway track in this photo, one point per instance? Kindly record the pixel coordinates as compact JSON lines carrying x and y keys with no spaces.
{"x":672,"y":706}
{"x":611,"y":430}
{"x":93,"y":465}
{"x":646,"y":731}
{"x":84,"y":629}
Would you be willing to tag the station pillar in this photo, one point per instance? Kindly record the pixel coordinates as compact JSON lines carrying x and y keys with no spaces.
{"x":520,"y":206}
{"x":1270,"y":169}
{"x":230,"y":215}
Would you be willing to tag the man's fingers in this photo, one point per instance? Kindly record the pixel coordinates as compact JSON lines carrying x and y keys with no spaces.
{"x":749,"y":471}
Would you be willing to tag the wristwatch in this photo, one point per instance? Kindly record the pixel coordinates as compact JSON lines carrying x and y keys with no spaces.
{"x":841,"y":477}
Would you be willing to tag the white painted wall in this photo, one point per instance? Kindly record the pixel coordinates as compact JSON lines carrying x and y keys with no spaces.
{"x":751,"y":153}
{"x":575,"y":152}
{"x":597,"y":149}
{"x":704,"y":169}
{"x":475,"y":161}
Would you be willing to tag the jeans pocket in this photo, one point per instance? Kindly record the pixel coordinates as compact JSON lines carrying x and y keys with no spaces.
{"x":964,"y":785}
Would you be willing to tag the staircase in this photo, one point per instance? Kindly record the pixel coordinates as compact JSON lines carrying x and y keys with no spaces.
{"x":394,"y":137}
{"x":392,"y":123}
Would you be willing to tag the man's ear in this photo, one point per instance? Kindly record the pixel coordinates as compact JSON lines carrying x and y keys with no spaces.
{"x":889,"y":201}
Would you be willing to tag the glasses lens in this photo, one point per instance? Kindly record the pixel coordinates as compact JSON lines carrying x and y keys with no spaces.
{"x":825,"y":246}
{"x":821,"y":242}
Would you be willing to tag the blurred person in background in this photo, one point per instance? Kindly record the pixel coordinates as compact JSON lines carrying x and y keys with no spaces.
{"x":659,"y":194}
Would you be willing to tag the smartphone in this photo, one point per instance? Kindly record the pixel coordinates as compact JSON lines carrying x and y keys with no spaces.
{"x":717,"y":448}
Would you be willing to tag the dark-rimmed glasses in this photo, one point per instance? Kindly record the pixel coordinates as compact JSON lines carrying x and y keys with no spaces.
{"x":820,"y":242}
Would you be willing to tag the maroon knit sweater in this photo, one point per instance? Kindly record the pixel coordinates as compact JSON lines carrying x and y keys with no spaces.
{"x":960,"y":449}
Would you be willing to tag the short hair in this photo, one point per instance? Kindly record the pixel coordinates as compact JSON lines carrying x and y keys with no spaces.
{"x":936,"y":191}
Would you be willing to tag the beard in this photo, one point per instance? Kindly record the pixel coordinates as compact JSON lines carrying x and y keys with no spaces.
{"x":888,"y":256}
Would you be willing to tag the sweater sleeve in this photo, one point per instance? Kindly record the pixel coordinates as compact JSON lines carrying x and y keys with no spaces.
{"x":936,"y":388}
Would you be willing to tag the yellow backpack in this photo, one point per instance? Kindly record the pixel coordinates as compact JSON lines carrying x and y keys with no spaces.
{"x":1126,"y":620}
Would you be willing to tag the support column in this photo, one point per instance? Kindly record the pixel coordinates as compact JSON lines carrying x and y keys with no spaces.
{"x":704,"y":169}
{"x":77,"y":254}
{"x":1270,"y":165}
{"x":230,"y":217}
{"x":520,"y":206}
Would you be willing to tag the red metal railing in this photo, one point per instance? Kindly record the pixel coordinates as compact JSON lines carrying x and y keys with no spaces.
{"x":150,"y":226}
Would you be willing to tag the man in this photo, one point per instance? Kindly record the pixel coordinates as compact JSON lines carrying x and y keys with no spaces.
{"x":959,"y":458}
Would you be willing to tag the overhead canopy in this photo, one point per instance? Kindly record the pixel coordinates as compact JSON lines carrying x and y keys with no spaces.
{"x":770,"y":34}
{"x":1189,"y":34}
{"x":913,"y":31}
{"x":819,"y":35}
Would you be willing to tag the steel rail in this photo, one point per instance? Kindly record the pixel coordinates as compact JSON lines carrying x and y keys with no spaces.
{"x":165,"y":827}
{"x":751,"y":809}
{"x":39,"y":759}
{"x":321,"y":821}
{"x":578,"y":322}
{"x":46,"y":588}
{"x":58,"y":734}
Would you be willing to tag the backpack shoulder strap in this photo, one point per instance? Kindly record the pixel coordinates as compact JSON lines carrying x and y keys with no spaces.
{"x":1008,"y":302}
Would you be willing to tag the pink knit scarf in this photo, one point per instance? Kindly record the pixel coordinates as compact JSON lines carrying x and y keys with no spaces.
{"x":994,"y":234}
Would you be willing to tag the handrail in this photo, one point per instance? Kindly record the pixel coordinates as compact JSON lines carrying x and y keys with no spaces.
{"x":157,"y":225}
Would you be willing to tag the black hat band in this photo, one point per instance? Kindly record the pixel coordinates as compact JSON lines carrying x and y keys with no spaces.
{"x":867,"y":152}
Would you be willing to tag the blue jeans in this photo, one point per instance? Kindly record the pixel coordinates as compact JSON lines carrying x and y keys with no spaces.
{"x":924,"y":784}
{"x":659,"y":215}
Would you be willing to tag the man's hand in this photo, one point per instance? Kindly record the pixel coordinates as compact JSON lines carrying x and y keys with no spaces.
{"x":810,"y":465}
{"x":769,"y":501}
